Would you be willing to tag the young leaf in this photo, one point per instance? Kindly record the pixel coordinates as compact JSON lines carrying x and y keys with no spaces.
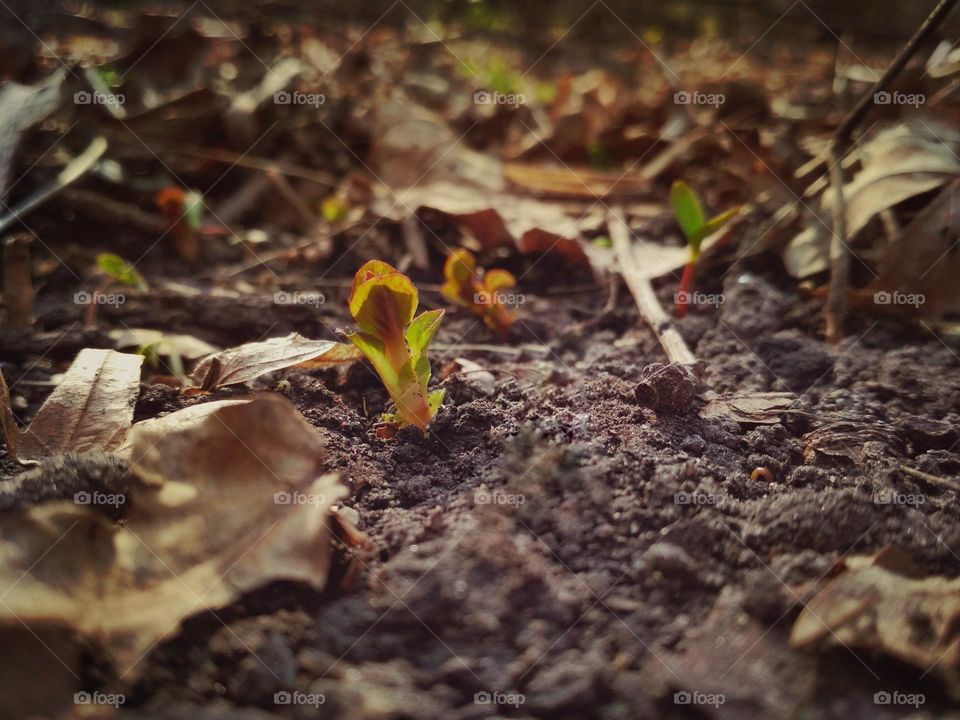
{"x":383,"y":302}
{"x":687,"y":209}
{"x":467,"y":286}
{"x":120,"y":270}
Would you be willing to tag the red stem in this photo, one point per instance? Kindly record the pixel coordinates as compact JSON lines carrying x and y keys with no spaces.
{"x":686,"y":282}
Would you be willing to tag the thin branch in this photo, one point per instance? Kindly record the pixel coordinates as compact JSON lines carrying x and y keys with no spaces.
{"x":653,"y":313}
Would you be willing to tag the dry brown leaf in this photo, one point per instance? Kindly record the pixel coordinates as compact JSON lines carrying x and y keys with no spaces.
{"x":220,"y":506}
{"x":919,"y":269}
{"x":91,"y":408}
{"x":759,"y":408}
{"x":874,"y":608}
{"x":248,"y":362}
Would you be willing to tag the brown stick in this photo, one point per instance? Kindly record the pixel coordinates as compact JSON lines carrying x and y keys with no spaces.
{"x":836,"y":307}
{"x":17,"y":282}
{"x":653,"y":313}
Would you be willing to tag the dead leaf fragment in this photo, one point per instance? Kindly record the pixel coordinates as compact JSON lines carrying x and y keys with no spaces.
{"x":91,"y":408}
{"x":759,"y":408}
{"x":218,"y":507}
{"x":248,"y":362}
{"x":846,"y":439}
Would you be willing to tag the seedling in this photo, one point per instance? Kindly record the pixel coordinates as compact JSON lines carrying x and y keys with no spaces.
{"x":121,"y":271}
{"x":692,"y":220}
{"x":383,"y":302}
{"x":184,"y":213}
{"x":118,"y":271}
{"x":478,"y":291}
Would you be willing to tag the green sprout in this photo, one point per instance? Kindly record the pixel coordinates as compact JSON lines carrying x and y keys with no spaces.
{"x":121,"y":271}
{"x":688,"y":210}
{"x":383,"y":303}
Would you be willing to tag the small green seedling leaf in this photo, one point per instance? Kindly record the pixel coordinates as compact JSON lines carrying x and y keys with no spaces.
{"x":383,"y":303}
{"x":688,"y":210}
{"x":482,"y":293}
{"x":120,"y":270}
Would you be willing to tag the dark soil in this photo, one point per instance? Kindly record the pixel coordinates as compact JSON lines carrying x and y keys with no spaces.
{"x":557,"y":539}
{"x":555,"y":542}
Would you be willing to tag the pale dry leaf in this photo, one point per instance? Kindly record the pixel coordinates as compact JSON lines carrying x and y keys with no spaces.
{"x":899,"y":162}
{"x":91,"y":408}
{"x":248,"y":362}
{"x":22,"y":106}
{"x":217,"y":509}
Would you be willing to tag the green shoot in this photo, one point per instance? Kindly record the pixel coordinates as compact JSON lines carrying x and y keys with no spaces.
{"x":696,"y":227}
{"x":383,"y":303}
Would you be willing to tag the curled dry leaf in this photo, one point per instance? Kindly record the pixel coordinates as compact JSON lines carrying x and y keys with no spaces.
{"x":219,"y":505}
{"x":846,"y":439}
{"x":91,"y":408}
{"x":898,"y":163}
{"x":876,"y":608}
{"x":759,"y":408}
{"x":248,"y":362}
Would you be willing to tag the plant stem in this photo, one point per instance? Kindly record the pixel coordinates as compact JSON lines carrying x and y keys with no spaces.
{"x":686,"y":283}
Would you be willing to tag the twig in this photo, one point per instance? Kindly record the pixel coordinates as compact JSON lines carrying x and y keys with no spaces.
{"x":672,"y":342}
{"x":932,"y":479}
{"x":17,"y":284}
{"x":839,"y":252}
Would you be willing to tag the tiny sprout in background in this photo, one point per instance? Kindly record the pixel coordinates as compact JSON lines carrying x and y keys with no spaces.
{"x":480,"y":292}
{"x":383,"y":303}
{"x":334,"y":209}
{"x":184,"y":212}
{"x":121,"y":271}
{"x":688,"y":210}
